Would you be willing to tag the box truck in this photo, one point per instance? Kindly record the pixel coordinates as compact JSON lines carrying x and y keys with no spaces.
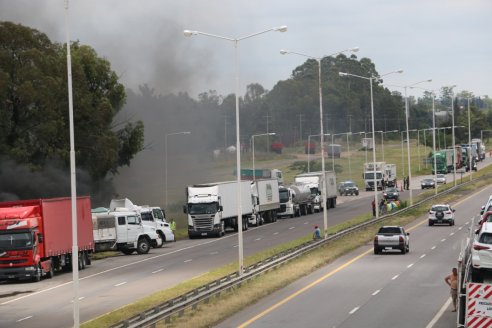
{"x":213,"y":207}
{"x":36,"y":237}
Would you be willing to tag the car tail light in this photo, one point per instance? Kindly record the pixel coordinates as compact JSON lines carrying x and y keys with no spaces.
{"x":401,"y":240}
{"x":480,"y":247}
{"x":449,"y":212}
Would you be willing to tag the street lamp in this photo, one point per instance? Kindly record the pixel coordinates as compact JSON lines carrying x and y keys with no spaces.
{"x":165,"y":159}
{"x":235,"y":41}
{"x":452,"y":120}
{"x":309,"y":150}
{"x":371,"y":78}
{"x":253,"y":143}
{"x":322,"y":141}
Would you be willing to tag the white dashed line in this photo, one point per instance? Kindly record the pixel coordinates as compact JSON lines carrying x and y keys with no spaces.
{"x":460,"y":228}
{"x":186,"y":261}
{"x":257,"y":239}
{"x":156,"y":271}
{"x":433,"y":247}
{"x":410,"y":265}
{"x":292,"y":228}
{"x":306,"y":222}
{"x":29,"y":317}
{"x":395,"y":277}
{"x":275,"y":233}
{"x":422,"y":256}
{"x":452,"y":233}
{"x":376,"y":292}
{"x":467,"y":222}
{"x":80,"y":299}
{"x":235,"y":246}
{"x":354,"y":310}
{"x":214,"y":253}
{"x":120,"y":284}
{"x":443,"y":240}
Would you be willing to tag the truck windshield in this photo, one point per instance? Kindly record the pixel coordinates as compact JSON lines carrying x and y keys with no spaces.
{"x":159,"y":214}
{"x":370,"y":175}
{"x":284,"y":196}
{"x":203,"y":208}
{"x":146,"y":216}
{"x":16,"y":240}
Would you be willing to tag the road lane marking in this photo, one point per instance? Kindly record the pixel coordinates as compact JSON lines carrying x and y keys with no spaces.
{"x":257,"y":239}
{"x":410,"y":265}
{"x":443,"y":240}
{"x":433,"y":247}
{"x":120,"y":284}
{"x":275,"y":233}
{"x":394,"y":278}
{"x":235,"y":246}
{"x":80,"y":299}
{"x":376,"y":292}
{"x":306,"y":222}
{"x":452,"y":233}
{"x":460,"y":228}
{"x":354,"y":310}
{"x":156,"y":271}
{"x":186,"y":261}
{"x":422,"y":256}
{"x":29,"y":317}
{"x":305,"y":288}
{"x":292,"y":228}
{"x":214,"y":253}
{"x":439,"y":314}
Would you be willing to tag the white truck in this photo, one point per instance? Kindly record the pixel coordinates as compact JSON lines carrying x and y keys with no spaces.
{"x":151,"y":217}
{"x":213,"y":207}
{"x":480,"y":149}
{"x":367,"y":143}
{"x":296,"y":200}
{"x":266,"y":202}
{"x":123,"y":230}
{"x":249,"y":174}
{"x":315,"y":180}
{"x":374,"y":171}
{"x":390,"y":175}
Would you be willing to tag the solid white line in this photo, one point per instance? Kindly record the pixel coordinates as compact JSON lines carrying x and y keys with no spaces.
{"x":157,"y":271}
{"x":120,"y":284}
{"x":422,"y":256}
{"x":443,"y":240}
{"x":395,"y":277}
{"x":376,"y":292}
{"x":258,"y":239}
{"x":410,"y":265}
{"x":433,"y":247}
{"x":29,"y":317}
{"x":186,"y":261}
{"x":439,"y":314}
{"x":275,"y":233}
{"x":354,"y":310}
{"x":292,"y":228}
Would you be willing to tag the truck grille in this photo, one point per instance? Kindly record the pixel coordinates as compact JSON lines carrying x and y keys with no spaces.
{"x":12,"y":261}
{"x":282,"y":208}
{"x":203,"y":223}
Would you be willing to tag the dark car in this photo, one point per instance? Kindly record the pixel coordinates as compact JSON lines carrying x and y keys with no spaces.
{"x":348,"y":188}
{"x":427,"y":184}
{"x":391,"y":193}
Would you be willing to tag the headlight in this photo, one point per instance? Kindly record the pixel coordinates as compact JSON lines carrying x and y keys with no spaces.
{"x":30,"y":268}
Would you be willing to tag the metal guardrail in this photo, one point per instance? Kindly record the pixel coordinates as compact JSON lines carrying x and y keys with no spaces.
{"x":204,"y":293}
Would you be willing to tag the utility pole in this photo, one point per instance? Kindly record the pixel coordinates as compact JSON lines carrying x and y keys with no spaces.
{"x":225,"y":131}
{"x":267,"y":116}
{"x":300,"y":126}
{"x":350,"y":121}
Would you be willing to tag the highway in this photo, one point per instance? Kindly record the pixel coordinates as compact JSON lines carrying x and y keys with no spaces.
{"x":361,"y":289}
{"x":114,"y":282}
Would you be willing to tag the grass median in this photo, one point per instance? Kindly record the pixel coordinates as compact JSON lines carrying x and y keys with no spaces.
{"x":234,"y":300}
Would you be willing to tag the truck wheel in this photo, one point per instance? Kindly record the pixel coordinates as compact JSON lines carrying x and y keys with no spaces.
{"x":37,"y":275}
{"x":51,"y":273}
{"x":143,"y":246}
{"x":128,"y":251}
{"x":163,"y":238}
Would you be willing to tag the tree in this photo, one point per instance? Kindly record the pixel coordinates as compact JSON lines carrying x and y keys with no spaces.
{"x":34,"y":110}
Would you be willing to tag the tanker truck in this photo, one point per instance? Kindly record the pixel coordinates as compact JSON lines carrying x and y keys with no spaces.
{"x":296,"y":200}
{"x":315,"y":181}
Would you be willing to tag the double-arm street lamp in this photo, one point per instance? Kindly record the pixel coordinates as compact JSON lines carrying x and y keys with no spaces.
{"x":371,"y":79}
{"x":322,"y":141}
{"x":235,"y":41}
{"x":253,"y":146}
{"x":165,"y":159}
{"x":309,"y":147}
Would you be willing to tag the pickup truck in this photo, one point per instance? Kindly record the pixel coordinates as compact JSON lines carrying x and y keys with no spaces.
{"x":391,"y":237}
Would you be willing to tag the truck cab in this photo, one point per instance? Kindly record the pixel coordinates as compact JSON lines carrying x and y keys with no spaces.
{"x":154,"y":217}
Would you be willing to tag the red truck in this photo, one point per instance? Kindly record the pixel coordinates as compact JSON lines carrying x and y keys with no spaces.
{"x":36,"y":237}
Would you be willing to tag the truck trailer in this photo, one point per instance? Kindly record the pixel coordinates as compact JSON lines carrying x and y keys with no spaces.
{"x":266,"y":203}
{"x":296,"y":200}
{"x":316,"y":180}
{"x":213,"y":207}
{"x":36,"y":237}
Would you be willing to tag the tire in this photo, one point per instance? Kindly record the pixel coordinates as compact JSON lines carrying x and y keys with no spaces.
{"x":51,"y":273}
{"x":37,"y":275}
{"x":163,"y":238}
{"x":403,"y":250}
{"x":128,"y":251}
{"x":451,"y":223}
{"x":431,"y":223}
{"x":81,"y":261}
{"x":376,"y":250}
{"x":143,"y":246}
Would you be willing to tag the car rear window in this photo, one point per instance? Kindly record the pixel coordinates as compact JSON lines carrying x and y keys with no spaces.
{"x":486,"y":238}
{"x":439,"y":208}
{"x":394,"y":230}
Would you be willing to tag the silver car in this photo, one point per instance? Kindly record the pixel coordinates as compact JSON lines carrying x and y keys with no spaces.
{"x":441,"y":179}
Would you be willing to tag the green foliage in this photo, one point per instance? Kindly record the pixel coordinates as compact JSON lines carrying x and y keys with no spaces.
{"x":34,"y":114}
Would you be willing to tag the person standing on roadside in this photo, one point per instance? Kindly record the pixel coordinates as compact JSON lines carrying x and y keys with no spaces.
{"x":452,"y":281}
{"x":172,"y":226}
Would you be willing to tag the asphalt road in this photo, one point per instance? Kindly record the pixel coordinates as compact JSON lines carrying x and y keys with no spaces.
{"x":366,"y":290}
{"x":111,"y":283}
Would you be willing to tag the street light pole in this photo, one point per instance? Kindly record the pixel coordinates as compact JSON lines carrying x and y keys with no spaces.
{"x":322,"y":141}
{"x":253,"y":146}
{"x":165,"y":160}
{"x":372,"y":125}
{"x":235,"y":41}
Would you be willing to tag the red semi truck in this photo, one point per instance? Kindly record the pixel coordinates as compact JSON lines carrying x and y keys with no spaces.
{"x":36,"y":237}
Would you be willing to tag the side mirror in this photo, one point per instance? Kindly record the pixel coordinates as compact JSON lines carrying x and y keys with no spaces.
{"x":184,"y":209}
{"x":454,"y":210}
{"x":408,"y":233}
{"x":40,"y":237}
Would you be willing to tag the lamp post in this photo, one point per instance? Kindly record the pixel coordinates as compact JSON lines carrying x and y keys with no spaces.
{"x":235,"y":41}
{"x":318,"y":59}
{"x":370,"y":79}
{"x":453,"y":142}
{"x":165,"y":159}
{"x":309,"y":150}
{"x":253,"y":143}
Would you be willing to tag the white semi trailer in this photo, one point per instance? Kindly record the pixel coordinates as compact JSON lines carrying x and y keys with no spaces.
{"x":213,"y":207}
{"x":266,"y":203}
{"x":316,"y":180}
{"x":296,"y":200}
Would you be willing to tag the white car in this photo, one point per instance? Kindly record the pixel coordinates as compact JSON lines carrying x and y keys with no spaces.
{"x":487,"y":205}
{"x":482,"y":249}
{"x":441,"y":214}
{"x":441,"y":179}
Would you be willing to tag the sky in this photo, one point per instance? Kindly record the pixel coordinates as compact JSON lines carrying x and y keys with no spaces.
{"x":444,"y":40}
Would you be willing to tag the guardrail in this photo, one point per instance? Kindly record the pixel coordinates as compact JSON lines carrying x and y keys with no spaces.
{"x":204,"y":293}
